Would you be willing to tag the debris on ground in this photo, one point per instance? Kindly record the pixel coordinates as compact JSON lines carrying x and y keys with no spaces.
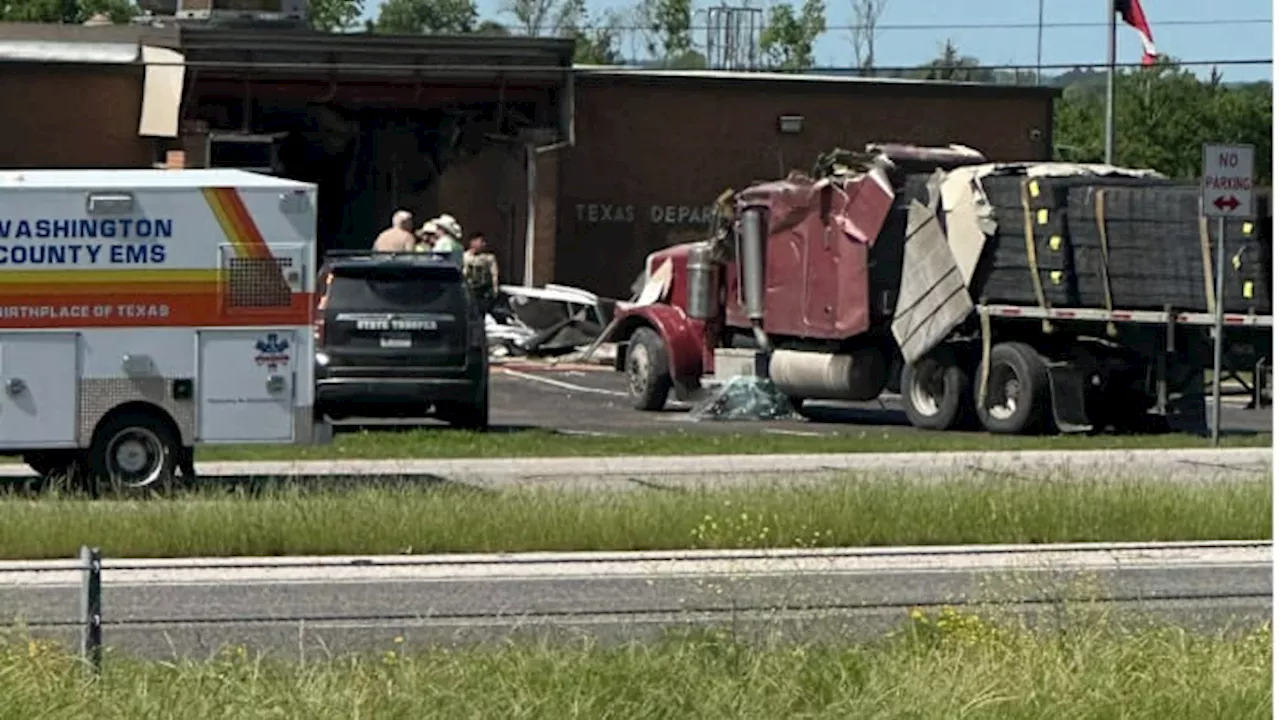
{"x":550,"y":321}
{"x":744,"y":397}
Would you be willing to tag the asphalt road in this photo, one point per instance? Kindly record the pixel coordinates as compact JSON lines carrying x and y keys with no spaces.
{"x":675,"y":472}
{"x":319,"y":606}
{"x":593,"y":400}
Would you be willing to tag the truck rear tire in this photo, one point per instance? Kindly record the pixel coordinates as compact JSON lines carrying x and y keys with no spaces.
{"x":1017,"y":391}
{"x":134,"y":451}
{"x":648,"y":375}
{"x":934,"y":390}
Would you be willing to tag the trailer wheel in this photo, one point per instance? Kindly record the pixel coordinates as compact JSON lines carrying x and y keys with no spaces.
{"x":1017,"y":391}
{"x":135,"y":450}
{"x":648,"y":378}
{"x":934,"y":390}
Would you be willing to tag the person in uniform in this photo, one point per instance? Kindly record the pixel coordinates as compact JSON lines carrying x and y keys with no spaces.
{"x":398,"y":237}
{"x":480,"y":268}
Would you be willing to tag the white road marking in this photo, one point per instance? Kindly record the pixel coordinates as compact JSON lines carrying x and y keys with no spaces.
{"x":562,"y":384}
{"x":796,"y":433}
{"x":653,"y":564}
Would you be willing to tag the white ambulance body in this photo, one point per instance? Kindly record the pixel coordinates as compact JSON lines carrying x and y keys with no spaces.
{"x":144,"y":312}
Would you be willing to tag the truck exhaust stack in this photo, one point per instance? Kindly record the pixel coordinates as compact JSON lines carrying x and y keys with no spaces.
{"x":751,"y":256}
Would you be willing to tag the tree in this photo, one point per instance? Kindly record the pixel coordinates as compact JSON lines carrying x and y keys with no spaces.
{"x":421,"y":17}
{"x":950,"y":65}
{"x":596,"y":38}
{"x":1163,"y":115}
{"x":862,"y":36}
{"x":334,"y":15}
{"x":668,"y":29}
{"x":492,"y":27}
{"x":787,"y":39}
{"x":73,"y":12}
{"x":539,"y":17}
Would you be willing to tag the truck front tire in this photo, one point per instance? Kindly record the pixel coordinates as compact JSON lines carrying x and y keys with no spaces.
{"x":1017,"y":391}
{"x":934,"y":390}
{"x":648,"y":375}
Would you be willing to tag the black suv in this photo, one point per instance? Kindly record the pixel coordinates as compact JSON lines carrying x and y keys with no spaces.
{"x":398,"y":336}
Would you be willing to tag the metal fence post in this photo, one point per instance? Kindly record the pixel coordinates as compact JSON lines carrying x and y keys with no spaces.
{"x":91,"y":608}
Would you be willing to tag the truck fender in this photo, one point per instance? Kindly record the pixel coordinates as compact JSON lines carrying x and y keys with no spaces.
{"x":681,"y":334}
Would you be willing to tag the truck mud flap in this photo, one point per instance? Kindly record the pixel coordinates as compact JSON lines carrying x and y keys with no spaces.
{"x":1066,"y":391}
{"x":1188,"y":413}
{"x":620,"y":356}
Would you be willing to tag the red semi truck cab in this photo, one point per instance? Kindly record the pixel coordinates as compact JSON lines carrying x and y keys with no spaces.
{"x":789,"y":272}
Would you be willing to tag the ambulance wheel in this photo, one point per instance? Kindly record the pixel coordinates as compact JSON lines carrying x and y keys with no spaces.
{"x":135,"y":450}
{"x":648,"y":378}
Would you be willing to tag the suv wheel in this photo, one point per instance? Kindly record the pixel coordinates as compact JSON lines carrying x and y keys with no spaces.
{"x":473,"y":416}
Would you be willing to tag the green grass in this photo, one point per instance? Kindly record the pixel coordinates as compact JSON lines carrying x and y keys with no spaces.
{"x":848,"y":512}
{"x":445,"y":443}
{"x":419,"y":443}
{"x":954,"y":667}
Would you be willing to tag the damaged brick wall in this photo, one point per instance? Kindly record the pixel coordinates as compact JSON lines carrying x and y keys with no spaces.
{"x":94,"y":126}
{"x":652,"y":153}
{"x":485,"y":192}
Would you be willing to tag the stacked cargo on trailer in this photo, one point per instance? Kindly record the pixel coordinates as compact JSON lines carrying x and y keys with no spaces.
{"x":1024,"y":297}
{"x":143,"y":312}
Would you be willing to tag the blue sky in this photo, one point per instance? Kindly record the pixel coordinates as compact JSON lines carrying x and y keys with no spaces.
{"x":1187,"y":29}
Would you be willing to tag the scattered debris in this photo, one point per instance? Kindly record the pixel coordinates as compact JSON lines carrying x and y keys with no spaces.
{"x":549,"y":321}
{"x":745,"y":397}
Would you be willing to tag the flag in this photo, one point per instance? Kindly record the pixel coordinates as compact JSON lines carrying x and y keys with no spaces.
{"x":1131,"y":12}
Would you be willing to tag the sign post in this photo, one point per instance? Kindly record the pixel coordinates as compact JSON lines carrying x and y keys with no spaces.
{"x":1226,"y":191}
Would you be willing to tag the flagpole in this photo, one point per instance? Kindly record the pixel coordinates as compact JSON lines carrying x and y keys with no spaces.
{"x":1039,"y":41}
{"x":1109,"y":122}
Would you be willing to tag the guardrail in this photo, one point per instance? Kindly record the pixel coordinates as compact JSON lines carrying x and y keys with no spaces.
{"x":91,"y":618}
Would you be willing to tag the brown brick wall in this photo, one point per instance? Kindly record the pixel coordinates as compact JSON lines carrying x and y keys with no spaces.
{"x":650,"y":155}
{"x":485,"y":192}
{"x":71,"y":117}
{"x":546,"y":218}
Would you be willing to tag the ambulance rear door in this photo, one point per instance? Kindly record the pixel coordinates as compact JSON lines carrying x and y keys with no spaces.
{"x":246,"y":385}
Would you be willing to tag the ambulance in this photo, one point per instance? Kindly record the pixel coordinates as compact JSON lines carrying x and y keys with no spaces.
{"x":145,"y":312}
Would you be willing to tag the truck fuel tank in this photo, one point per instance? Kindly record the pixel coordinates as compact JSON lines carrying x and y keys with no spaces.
{"x":858,"y":375}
